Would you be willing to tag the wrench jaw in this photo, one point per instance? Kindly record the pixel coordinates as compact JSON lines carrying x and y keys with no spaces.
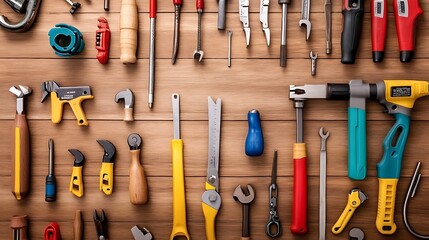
{"x":307,"y":23}
{"x":198,"y":55}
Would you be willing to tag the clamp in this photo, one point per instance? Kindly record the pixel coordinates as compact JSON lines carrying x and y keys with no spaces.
{"x":102,"y":40}
{"x":356,"y":198}
{"x":106,"y":172}
{"x":76,"y":180}
{"x":29,"y":7}
{"x":66,"y":40}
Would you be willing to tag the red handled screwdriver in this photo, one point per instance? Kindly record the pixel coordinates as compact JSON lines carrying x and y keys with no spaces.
{"x":378,"y":28}
{"x":406,"y":14}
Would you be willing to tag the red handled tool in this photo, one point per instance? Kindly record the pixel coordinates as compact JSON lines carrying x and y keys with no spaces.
{"x":102,"y":40}
{"x":378,"y":28}
{"x":406,"y":13}
{"x":52,"y":232}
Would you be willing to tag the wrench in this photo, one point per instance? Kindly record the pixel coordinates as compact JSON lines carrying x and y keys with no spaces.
{"x":305,"y":17}
{"x":322,"y":194}
{"x":245,"y":199}
{"x":356,"y":234}
{"x":313,"y":58}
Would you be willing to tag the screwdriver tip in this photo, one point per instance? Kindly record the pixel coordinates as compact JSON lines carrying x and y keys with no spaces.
{"x":150,"y":105}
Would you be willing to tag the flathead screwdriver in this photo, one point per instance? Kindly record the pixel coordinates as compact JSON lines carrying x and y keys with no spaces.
{"x":51,"y":183}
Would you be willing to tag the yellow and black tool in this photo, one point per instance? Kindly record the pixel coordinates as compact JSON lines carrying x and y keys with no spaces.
{"x":76,"y":180}
{"x":71,"y":95}
{"x":179,"y":200}
{"x":106,"y":172}
{"x":356,"y":198}
{"x":21,"y":151}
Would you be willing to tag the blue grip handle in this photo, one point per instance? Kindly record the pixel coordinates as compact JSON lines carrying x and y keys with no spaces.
{"x":255,"y":139}
{"x":357,"y":143}
{"x":50,"y":189}
{"x":394,"y":146}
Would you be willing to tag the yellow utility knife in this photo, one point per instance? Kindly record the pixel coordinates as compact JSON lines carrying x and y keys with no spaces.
{"x":179,"y":200}
{"x":106,"y":172}
{"x":211,"y":200}
{"x":76,"y":181}
{"x":356,"y":198}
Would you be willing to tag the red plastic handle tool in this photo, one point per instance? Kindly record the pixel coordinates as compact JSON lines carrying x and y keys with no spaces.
{"x":406,"y":13}
{"x":152,"y":7}
{"x":299,"y":208}
{"x":52,"y":232}
{"x":200,"y":4}
{"x":177,"y":2}
{"x":378,"y":28}
{"x":102,"y":40}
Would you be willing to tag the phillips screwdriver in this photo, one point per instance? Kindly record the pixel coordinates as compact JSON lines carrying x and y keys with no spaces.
{"x":283,"y":51}
{"x":352,"y":28}
{"x":51,"y":182}
{"x":177,"y":6}
{"x":152,"y":7}
{"x":378,"y":28}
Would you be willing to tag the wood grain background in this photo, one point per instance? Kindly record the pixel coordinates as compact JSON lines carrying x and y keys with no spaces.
{"x":254,"y":81}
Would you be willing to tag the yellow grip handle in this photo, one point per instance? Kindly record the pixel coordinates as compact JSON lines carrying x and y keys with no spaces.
{"x":210,"y":216}
{"x":179,"y":200}
{"x":385,"y":221}
{"x":75,"y":104}
{"x":56,"y":108}
{"x":76,"y":181}
{"x":344,"y":219}
{"x":21,"y":158}
{"x":106,"y":178}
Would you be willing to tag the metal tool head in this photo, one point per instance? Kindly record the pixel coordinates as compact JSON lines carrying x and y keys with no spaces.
{"x":313,"y":56}
{"x":74,"y":7}
{"x":242,"y":196}
{"x":274,"y":169}
{"x":263,"y":17}
{"x":362,"y":196}
{"x":323,"y":135}
{"x":30,"y":13}
{"x":109,"y":151}
{"x":47,"y":88}
{"x":134,"y":141}
{"x":244,"y":18}
{"x":307,"y":23}
{"x":198,"y":55}
{"x":78,"y":157}
{"x":141,"y":234}
{"x":128,"y":97}
{"x":20,"y":91}
{"x":100,"y":224}
{"x":356,"y":234}
{"x":247,"y":34}
{"x":308,"y":91}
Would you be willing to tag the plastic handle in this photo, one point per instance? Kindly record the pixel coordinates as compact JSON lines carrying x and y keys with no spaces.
{"x":21,"y":158}
{"x":299,"y":210}
{"x":378,"y":28}
{"x":138,"y":189}
{"x":210,"y":217}
{"x":106,"y":178}
{"x":78,"y":226}
{"x":179,"y":200}
{"x":177,"y":2}
{"x":352,"y":28}
{"x":254,"y":140}
{"x":152,"y":7}
{"x":200,"y":4}
{"x":405,"y":17}
{"x":76,"y":106}
{"x":129,"y":25}
{"x":385,"y":221}
{"x":76,"y":182}
{"x":50,"y":188}
{"x":357,"y":143}
{"x":344,"y":219}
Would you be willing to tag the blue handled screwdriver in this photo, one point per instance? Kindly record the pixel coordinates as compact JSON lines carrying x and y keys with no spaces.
{"x":51,"y":182}
{"x":255,"y":139}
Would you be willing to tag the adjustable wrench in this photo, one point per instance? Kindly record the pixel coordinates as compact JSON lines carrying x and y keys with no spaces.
{"x":305,"y":17}
{"x":322,"y":191}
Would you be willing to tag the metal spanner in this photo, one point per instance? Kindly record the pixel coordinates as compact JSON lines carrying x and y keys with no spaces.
{"x":243,"y":9}
{"x":305,"y":17}
{"x":313,"y":58}
{"x":322,"y":191}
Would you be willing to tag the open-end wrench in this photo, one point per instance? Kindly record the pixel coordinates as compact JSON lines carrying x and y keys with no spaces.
{"x":245,"y":199}
{"x":322,"y":191}
{"x":305,"y":17}
{"x":198,"y":54}
{"x":313,"y":58}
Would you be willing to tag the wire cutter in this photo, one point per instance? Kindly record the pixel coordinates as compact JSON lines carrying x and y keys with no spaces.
{"x":100,"y":225}
{"x":263,"y":17}
{"x":211,"y":199}
{"x":273,"y":219}
{"x":243,"y":9}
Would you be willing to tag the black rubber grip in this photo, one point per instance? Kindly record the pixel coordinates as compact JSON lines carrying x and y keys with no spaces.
{"x":352,"y":28}
{"x":377,"y":56}
{"x":338,"y":91}
{"x":283,"y":55}
{"x":406,"y":56}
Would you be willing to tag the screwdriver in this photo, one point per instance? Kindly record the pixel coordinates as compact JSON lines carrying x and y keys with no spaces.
{"x":51,"y":182}
{"x":152,"y":7}
{"x":283,"y":51}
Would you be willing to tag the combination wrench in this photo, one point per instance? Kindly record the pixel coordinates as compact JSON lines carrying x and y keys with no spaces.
{"x":305,"y":17}
{"x":322,"y":191}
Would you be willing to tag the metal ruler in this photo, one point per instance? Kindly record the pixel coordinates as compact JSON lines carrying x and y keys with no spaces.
{"x":214,"y":141}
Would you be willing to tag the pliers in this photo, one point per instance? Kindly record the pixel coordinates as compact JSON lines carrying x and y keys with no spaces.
{"x":263,"y":17}
{"x":243,"y":9}
{"x":100,"y":225}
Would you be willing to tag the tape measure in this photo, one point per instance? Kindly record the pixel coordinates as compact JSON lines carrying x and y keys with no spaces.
{"x":66,"y":40}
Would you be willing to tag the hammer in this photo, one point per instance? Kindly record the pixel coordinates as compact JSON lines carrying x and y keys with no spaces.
{"x":128,"y":97}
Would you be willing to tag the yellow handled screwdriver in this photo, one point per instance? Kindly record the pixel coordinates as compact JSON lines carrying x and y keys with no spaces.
{"x":179,"y":200}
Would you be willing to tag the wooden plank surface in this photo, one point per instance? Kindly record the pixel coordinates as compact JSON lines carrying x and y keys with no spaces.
{"x":254,"y":81}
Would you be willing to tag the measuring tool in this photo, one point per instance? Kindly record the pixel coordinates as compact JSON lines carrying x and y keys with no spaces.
{"x":211,"y":200}
{"x":179,"y":200}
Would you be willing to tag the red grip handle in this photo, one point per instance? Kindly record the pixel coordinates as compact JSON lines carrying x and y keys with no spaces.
{"x":299,"y":210}
{"x":405,"y":23}
{"x":177,"y":2}
{"x":378,"y":24}
{"x":152,"y":7}
{"x":200,"y":4}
